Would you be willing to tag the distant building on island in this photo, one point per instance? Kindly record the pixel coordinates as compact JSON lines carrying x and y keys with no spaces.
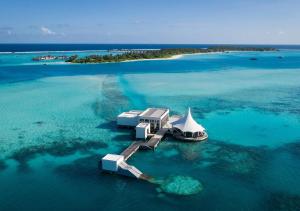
{"x":49,"y":57}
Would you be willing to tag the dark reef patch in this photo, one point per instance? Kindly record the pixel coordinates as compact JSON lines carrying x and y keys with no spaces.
{"x":82,"y":167}
{"x":238,"y":160}
{"x":2,"y":165}
{"x":39,"y":123}
{"x":242,"y":162}
{"x":283,"y":202}
{"x":21,"y":134}
{"x":57,"y":148}
{"x":293,"y":148}
{"x":113,"y":101}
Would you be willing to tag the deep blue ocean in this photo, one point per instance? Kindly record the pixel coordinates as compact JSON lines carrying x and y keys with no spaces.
{"x":57,"y":120}
{"x":73,"y":47}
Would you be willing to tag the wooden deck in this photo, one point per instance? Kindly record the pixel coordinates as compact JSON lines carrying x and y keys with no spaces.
{"x":155,"y":140}
{"x":151,"y":144}
{"x":131,"y":150}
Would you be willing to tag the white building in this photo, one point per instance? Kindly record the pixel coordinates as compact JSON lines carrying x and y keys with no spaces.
{"x":142,"y":130}
{"x":110,"y":162}
{"x":157,"y":117}
{"x":153,"y":119}
{"x":186,"y":128}
{"x":129,"y":118}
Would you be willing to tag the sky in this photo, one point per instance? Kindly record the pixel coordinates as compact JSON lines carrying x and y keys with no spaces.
{"x":151,"y":21}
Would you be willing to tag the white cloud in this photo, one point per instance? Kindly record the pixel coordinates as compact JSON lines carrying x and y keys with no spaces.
{"x":47,"y":31}
{"x":281,"y":33}
{"x":6,"y":30}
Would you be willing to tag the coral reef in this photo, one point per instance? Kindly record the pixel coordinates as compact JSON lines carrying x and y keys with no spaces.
{"x":2,"y":165}
{"x":180,"y":185}
{"x":57,"y":148}
{"x":86,"y":167}
{"x":113,"y":101}
{"x":238,"y":160}
{"x":283,"y":202}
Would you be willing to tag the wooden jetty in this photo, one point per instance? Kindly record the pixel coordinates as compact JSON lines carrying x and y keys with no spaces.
{"x":151,"y":144}
{"x":131,"y":150}
{"x":155,"y":140}
{"x":145,"y":122}
{"x":117,"y":163}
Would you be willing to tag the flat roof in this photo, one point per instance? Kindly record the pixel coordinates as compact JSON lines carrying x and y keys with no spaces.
{"x":154,"y":112}
{"x":113,"y":157}
{"x":129,"y":114}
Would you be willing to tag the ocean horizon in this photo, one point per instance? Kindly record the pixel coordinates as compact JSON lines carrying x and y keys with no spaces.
{"x":33,"y":47}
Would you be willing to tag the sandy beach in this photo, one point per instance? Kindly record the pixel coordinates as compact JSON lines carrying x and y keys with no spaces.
{"x":170,"y":58}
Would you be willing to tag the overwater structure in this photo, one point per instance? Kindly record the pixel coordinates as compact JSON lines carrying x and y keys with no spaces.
{"x":151,"y":126}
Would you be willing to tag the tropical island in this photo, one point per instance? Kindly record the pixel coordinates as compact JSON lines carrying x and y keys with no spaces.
{"x":131,"y":55}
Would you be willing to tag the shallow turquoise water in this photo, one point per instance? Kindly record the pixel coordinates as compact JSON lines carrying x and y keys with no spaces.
{"x":57,"y":121}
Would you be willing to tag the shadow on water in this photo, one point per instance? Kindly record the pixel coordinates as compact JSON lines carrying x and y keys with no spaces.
{"x":82,"y":167}
{"x":110,"y":125}
{"x":124,"y":137}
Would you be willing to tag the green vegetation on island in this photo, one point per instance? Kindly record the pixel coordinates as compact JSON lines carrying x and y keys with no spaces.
{"x":129,"y":54}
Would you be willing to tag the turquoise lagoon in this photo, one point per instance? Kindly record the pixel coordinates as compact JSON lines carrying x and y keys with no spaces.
{"x":57,"y":121}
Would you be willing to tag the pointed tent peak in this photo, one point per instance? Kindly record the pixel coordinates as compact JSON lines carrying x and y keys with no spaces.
{"x":189,"y":114}
{"x":188,"y":124}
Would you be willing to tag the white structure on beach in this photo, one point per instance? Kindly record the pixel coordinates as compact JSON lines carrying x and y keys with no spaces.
{"x":186,"y":128}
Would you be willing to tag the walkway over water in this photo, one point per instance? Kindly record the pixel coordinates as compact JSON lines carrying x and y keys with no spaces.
{"x":131,"y":150}
{"x":124,"y":168}
{"x":151,"y":144}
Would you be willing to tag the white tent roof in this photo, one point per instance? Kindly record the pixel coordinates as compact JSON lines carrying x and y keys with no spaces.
{"x":188,"y":124}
